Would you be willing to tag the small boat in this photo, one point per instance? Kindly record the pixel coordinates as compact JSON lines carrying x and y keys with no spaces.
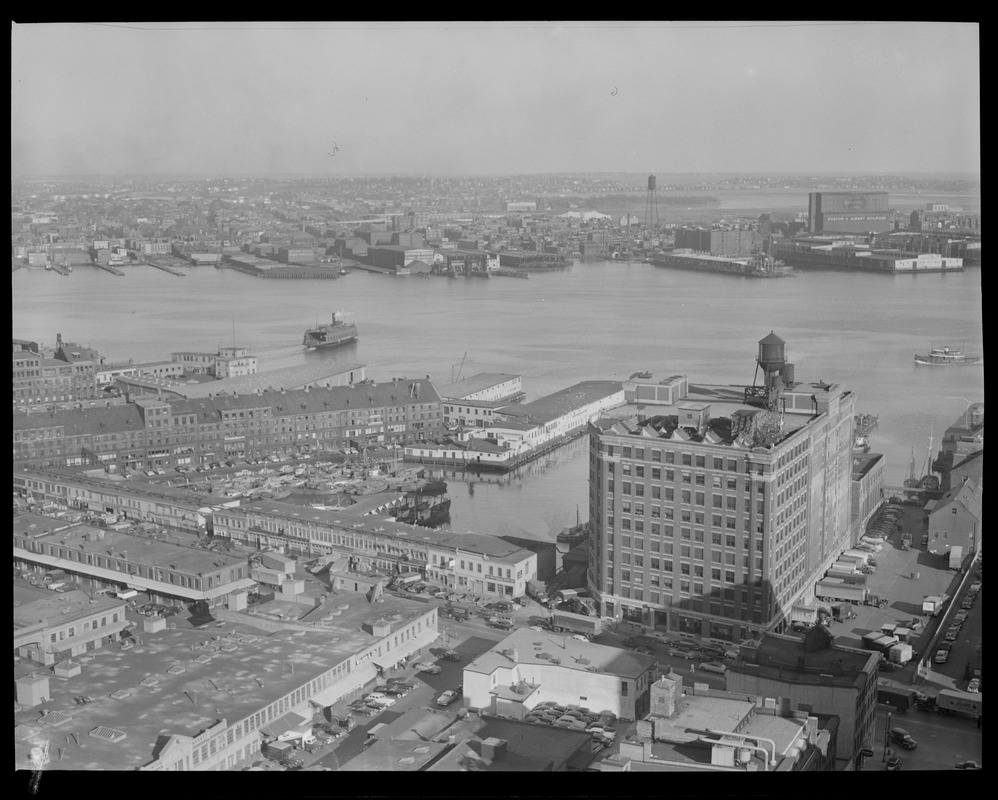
{"x":945,"y":357}
{"x":344,"y":271}
{"x":333,"y":334}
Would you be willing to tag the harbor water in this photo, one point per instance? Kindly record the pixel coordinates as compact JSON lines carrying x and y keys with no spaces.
{"x":597,"y":320}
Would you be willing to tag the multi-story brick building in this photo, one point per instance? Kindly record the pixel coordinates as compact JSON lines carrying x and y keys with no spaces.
{"x":154,"y":432}
{"x":464,"y":562}
{"x":716,"y":519}
{"x":70,"y":376}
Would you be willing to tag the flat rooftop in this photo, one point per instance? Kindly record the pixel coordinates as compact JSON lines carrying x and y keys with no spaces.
{"x":529,"y":747}
{"x":542,"y":647}
{"x":182,"y":681}
{"x":727,"y":404}
{"x":476,"y":383}
{"x":136,"y":549}
{"x":562,"y":402}
{"x":862,"y":464}
{"x":286,"y":378}
{"x":345,"y":519}
{"x":785,"y":657}
{"x":33,"y":606}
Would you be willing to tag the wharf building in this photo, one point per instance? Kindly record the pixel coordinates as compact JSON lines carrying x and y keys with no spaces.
{"x":956,"y":520}
{"x":716,"y":519}
{"x":102,"y":558}
{"x":462,"y":562}
{"x":813,"y":674}
{"x":370,"y":543}
{"x":228,"y":362}
{"x":150,"y":432}
{"x":849,"y":212}
{"x":515,"y":433}
{"x":963,"y":439}
{"x":182,"y":702}
{"x":948,"y":244}
{"x":51,"y":627}
{"x":527,"y":668}
{"x":472,"y":402}
{"x":397,"y":257}
{"x":754,"y":267}
{"x":165,"y":384}
{"x":715,"y":242}
{"x":700,"y":729}
{"x":824,"y":252}
{"x":70,"y":375}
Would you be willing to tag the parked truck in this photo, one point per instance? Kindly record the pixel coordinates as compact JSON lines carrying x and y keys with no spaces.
{"x":900,"y":653}
{"x":955,"y":557}
{"x":933,"y":604}
{"x":538,"y":591}
{"x":901,"y":699}
{"x":567,"y":622}
{"x":879,"y":642}
{"x":803,"y":617}
{"x":832,"y":589}
{"x":860,"y":556}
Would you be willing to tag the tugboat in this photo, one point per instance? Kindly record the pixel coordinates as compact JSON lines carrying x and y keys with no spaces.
{"x":945,"y":357}
{"x":333,"y":334}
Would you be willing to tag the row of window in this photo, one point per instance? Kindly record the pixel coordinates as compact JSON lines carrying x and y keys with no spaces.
{"x":70,"y":632}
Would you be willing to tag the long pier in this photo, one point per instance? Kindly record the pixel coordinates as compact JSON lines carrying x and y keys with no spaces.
{"x":109,"y":268}
{"x":509,"y":272}
{"x":165,"y":268}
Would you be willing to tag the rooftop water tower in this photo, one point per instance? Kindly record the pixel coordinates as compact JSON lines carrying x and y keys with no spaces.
{"x":777,"y":373}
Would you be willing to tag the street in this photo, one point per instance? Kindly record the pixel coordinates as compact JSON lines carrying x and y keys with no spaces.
{"x":943,"y":740}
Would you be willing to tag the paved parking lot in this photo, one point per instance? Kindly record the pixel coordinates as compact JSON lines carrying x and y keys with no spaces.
{"x":905,"y":577}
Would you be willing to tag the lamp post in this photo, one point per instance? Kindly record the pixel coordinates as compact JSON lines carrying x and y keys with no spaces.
{"x":887,"y":735}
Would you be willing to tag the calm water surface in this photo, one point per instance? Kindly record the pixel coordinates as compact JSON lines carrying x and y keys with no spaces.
{"x":597,"y":320}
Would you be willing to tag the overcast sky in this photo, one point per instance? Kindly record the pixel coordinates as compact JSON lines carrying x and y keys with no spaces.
{"x":477,"y":98}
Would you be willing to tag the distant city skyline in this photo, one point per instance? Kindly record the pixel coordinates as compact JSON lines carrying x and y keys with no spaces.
{"x":454,"y":99}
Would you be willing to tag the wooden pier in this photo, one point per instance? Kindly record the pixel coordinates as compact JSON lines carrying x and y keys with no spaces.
{"x":165,"y":268}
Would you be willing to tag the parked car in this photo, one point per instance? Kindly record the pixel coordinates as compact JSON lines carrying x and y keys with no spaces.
{"x":452,"y":655}
{"x":714,"y":666}
{"x":941,"y":656}
{"x":433,"y":669}
{"x":447,"y":698}
{"x":974,"y":686}
{"x":968,"y":765}
{"x":680,"y":652}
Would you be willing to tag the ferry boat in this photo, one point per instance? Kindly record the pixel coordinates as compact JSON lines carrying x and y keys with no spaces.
{"x":332,"y":334}
{"x":945,"y":357}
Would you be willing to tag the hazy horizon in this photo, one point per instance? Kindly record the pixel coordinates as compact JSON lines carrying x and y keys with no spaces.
{"x":342,"y":99}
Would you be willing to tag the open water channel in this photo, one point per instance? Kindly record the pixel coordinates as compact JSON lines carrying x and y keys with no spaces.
{"x":598,"y":320}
